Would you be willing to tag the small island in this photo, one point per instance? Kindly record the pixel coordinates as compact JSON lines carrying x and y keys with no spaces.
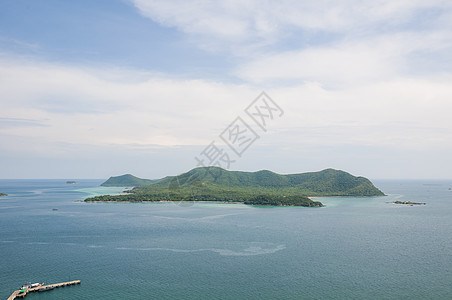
{"x":3,"y":194}
{"x":408,"y":203}
{"x":264,"y":187}
{"x":71,"y":182}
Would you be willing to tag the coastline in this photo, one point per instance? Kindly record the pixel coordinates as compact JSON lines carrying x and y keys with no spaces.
{"x":166,"y":201}
{"x":201,"y":202}
{"x":125,"y":190}
{"x":376,"y":196}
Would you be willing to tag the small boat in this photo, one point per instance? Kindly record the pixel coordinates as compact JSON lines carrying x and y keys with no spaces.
{"x":31,"y":286}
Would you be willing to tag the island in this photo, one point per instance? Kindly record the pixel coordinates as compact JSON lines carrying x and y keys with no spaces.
{"x":3,"y":194}
{"x":409,"y":203}
{"x":253,"y":188}
{"x":71,"y":182}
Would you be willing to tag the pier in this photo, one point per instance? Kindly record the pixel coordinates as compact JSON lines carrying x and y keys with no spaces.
{"x":21,"y":293}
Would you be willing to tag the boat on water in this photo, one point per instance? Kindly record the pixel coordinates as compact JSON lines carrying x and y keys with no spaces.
{"x":31,"y":286}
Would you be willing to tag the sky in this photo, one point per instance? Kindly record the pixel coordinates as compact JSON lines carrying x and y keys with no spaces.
{"x":92,"y":89}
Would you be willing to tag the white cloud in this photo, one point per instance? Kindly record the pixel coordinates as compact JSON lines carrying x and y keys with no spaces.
{"x":353,"y":62}
{"x":335,"y":43}
{"x":80,"y":105}
{"x":166,"y":112}
{"x":235,"y":24}
{"x":120,"y":114}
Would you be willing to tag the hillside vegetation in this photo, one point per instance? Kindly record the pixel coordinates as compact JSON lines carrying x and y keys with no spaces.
{"x":126,"y":180}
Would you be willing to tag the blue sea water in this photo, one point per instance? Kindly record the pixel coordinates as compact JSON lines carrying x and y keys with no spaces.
{"x":354,"y":248}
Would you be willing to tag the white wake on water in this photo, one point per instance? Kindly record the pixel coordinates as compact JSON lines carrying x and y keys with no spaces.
{"x":249,"y":251}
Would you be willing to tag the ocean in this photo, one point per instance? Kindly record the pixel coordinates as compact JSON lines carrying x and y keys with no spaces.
{"x":354,"y":248}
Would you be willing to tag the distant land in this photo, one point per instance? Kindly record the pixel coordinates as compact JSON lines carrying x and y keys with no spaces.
{"x":126,"y":180}
{"x":409,"y":203}
{"x":3,"y":194}
{"x":257,"y":188}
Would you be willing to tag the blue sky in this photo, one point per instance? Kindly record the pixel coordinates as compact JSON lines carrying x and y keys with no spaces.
{"x":111,"y":33}
{"x":90,"y":89}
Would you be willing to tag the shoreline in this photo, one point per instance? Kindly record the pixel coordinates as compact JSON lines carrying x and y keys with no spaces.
{"x":199,"y":202}
{"x":163,"y":201}
{"x":315,"y":197}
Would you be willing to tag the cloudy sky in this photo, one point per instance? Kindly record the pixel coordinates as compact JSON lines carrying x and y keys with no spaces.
{"x":90,"y":89}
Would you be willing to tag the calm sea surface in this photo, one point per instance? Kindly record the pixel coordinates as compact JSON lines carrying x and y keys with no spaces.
{"x":355,"y":248}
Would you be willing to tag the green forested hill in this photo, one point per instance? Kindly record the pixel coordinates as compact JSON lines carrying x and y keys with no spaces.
{"x":328,"y":182}
{"x":262,"y":187}
{"x":126,"y":180}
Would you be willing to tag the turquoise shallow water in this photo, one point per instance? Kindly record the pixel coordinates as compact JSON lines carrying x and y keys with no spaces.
{"x":355,"y":248}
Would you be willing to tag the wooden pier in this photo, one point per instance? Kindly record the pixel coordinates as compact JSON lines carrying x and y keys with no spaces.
{"x":23,"y":292}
